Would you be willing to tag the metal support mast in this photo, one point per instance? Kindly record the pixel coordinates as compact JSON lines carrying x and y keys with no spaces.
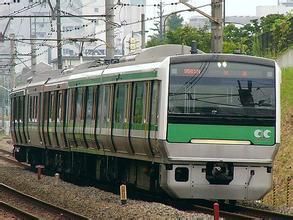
{"x":161,"y":20}
{"x":217,"y":27}
{"x":142,"y":31}
{"x":33,"y":47}
{"x":110,"y":50}
{"x":217,"y":23}
{"x":59,"y":42}
{"x":12,"y":62}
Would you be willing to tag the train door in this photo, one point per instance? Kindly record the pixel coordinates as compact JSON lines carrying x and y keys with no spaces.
{"x":139,"y":134}
{"x":17,"y":120}
{"x":79,"y":117}
{"x":13,"y":117}
{"x":45,"y":118}
{"x":52,"y":118}
{"x":121,"y":114}
{"x":60,"y":115}
{"x":40,"y":116}
{"x":33,"y":119}
{"x":106,"y":106}
{"x":21,"y":118}
{"x":154,"y":117}
{"x":26,"y":121}
{"x":90,"y":116}
{"x":69,"y":124}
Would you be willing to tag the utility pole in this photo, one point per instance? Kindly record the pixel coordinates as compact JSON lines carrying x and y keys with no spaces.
{"x":216,"y":21}
{"x":161,"y":20}
{"x":142,"y":30}
{"x":110,"y":50}
{"x":217,"y":27}
{"x":12,"y":62}
{"x":59,"y":42}
{"x":33,"y":47}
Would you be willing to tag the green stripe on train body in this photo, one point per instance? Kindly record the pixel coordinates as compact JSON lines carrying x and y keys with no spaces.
{"x":184,"y":133}
{"x":112,"y":78}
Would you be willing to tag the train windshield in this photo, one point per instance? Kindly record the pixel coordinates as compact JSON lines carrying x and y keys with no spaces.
{"x":222,"y":89}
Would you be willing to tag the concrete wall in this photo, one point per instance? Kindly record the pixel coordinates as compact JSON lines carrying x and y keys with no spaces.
{"x":286,"y":59}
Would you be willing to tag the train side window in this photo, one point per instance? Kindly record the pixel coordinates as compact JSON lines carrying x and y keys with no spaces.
{"x":36,"y":108}
{"x":20,"y":109}
{"x":52,"y":107}
{"x":120,"y":104}
{"x":106,"y":106}
{"x":13,"y":110}
{"x":46,"y":106}
{"x":138,"y":105}
{"x":155,"y":103}
{"x":30,"y":113}
{"x":60,"y":107}
{"x":90,"y":103}
{"x":79,"y":103}
{"x":70,"y":104}
{"x":95,"y":102}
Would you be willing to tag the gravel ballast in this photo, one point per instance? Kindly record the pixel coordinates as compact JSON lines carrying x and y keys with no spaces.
{"x":89,"y":201}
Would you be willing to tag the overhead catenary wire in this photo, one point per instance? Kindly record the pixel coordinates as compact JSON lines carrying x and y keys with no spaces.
{"x":103,"y":31}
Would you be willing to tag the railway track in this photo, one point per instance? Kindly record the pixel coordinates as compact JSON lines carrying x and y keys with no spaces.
{"x":8,"y":157}
{"x":234,"y":211}
{"x":34,"y":206}
{"x":10,"y":211}
{"x":226,"y":211}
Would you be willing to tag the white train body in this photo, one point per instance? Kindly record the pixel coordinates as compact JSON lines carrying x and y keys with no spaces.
{"x":202,"y":126}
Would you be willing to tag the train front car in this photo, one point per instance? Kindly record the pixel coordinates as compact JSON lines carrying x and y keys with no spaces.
{"x":223,"y":126}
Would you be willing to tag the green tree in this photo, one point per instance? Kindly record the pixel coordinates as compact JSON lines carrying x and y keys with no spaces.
{"x":186,"y":34}
{"x":174,"y":22}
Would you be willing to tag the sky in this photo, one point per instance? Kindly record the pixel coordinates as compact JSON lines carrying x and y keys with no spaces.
{"x":233,"y":7}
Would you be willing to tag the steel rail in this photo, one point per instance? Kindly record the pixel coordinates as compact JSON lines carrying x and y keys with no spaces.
{"x":20,"y":214}
{"x":261,"y":213}
{"x":66,"y":214}
{"x":11,"y":159}
{"x":225,"y":214}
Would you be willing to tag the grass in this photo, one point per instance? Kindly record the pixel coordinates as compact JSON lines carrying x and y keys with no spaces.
{"x":283,"y":165}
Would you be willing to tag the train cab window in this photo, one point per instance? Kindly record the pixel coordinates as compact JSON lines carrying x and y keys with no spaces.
{"x":138,"y":105}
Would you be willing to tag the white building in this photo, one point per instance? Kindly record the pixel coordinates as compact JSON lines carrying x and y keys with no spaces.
{"x":128,"y":16}
{"x":73,"y":27}
{"x":282,"y":7}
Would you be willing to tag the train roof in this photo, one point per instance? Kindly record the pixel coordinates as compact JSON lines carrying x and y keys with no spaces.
{"x":147,"y":55}
{"x":177,"y":54}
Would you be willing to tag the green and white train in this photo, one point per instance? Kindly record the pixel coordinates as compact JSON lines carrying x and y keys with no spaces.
{"x":193,"y":125}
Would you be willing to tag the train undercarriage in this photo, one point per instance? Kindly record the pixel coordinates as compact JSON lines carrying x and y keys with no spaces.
{"x":90,"y":168}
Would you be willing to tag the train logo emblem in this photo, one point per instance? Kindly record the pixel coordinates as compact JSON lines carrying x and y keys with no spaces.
{"x":262,"y":133}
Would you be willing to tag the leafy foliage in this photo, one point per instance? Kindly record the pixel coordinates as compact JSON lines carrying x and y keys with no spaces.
{"x":184,"y":35}
{"x":267,"y":37}
{"x":174,"y":22}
